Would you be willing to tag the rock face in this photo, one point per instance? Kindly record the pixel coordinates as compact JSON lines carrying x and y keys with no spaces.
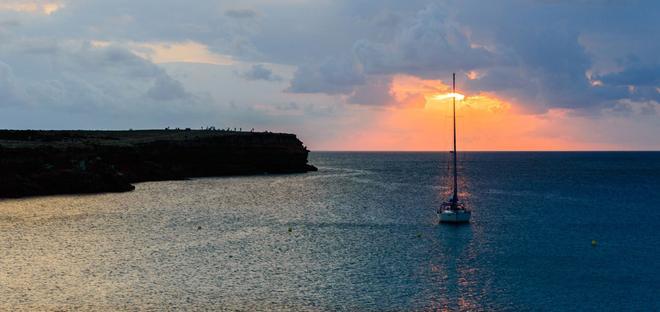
{"x":73,"y":162}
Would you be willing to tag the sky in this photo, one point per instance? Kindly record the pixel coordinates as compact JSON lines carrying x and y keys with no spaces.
{"x":341,"y":74}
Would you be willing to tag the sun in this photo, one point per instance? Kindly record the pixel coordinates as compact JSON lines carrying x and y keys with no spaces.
{"x":439,"y":101}
{"x":448,"y":96}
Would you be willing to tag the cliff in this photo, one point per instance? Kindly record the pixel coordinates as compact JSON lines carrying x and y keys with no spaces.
{"x":73,"y":162}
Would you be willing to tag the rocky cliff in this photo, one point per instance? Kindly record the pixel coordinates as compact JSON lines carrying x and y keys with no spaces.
{"x":72,"y":162}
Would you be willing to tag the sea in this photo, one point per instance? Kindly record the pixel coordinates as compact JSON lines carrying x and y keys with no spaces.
{"x":550,"y":231}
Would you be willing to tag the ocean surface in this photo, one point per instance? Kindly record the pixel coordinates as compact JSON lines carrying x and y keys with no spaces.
{"x":359,"y":235}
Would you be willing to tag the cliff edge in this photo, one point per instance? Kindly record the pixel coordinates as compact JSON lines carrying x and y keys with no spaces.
{"x":75,"y":162}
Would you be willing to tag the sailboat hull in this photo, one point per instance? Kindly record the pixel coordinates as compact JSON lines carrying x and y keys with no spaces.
{"x":454,"y":216}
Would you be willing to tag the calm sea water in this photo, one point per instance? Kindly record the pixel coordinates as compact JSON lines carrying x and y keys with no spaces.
{"x":360,"y":234}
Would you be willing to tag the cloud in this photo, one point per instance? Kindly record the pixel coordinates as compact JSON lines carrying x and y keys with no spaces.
{"x":167,"y":89}
{"x":424,"y":38}
{"x":186,"y":52}
{"x":260,"y":72}
{"x":26,"y":6}
{"x":244,"y":13}
{"x":332,"y":76}
{"x":637,"y":75}
{"x":426,"y":45}
{"x":376,"y":92}
{"x":5,"y":24}
{"x":9,"y":92}
{"x":76,"y":76}
{"x":549,"y":63}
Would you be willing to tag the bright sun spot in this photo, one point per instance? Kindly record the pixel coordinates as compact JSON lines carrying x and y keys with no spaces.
{"x":447,"y":96}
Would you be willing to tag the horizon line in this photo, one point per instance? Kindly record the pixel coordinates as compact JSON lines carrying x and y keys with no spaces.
{"x":486,"y":151}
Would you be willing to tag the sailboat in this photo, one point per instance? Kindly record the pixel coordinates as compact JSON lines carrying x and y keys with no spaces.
{"x":453,"y":211}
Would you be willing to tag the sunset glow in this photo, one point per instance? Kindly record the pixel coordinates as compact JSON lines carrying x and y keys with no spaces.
{"x":422,"y":121}
{"x":447,"y":96}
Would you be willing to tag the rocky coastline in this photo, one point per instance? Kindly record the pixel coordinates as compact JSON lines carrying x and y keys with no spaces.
{"x":36,"y":163}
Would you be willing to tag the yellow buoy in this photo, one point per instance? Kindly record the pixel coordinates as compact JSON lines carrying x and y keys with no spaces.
{"x":594,"y":242}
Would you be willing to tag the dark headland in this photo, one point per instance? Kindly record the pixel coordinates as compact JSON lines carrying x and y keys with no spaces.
{"x":76,"y":162}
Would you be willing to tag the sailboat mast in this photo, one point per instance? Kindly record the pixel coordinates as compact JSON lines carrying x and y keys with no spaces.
{"x":453,"y":88}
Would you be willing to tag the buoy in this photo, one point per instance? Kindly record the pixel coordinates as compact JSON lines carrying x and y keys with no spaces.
{"x":290,"y":229}
{"x":594,"y":242}
{"x":199,"y":227}
{"x":419,"y":235}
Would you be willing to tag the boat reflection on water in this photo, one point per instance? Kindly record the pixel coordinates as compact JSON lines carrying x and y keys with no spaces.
{"x":460,"y":284}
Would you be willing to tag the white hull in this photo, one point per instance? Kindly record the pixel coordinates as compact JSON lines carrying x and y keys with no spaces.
{"x":454,"y":216}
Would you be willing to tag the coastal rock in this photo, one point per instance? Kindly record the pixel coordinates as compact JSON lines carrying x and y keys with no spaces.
{"x":75,"y":162}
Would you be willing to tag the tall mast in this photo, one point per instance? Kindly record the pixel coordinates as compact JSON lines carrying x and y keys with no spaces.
{"x":453,"y":88}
